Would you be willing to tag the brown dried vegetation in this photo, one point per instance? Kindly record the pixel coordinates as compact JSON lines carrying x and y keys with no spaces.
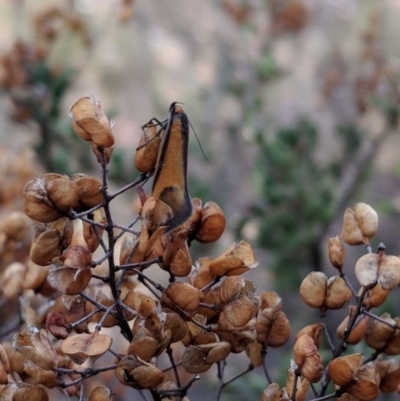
{"x":69,"y":294}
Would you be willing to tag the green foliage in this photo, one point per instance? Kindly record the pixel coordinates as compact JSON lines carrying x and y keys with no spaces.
{"x":297,"y":197}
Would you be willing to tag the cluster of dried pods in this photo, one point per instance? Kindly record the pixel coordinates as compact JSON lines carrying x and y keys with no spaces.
{"x":68,"y":293}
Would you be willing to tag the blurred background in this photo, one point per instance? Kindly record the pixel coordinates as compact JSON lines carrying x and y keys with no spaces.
{"x":295,"y":104}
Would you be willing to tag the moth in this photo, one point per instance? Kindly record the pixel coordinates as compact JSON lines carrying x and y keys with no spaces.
{"x":170,"y":177}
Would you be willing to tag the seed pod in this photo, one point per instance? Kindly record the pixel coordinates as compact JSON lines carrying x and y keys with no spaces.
{"x":46,"y":247}
{"x":212,"y":223}
{"x":155,"y":213}
{"x":314,"y":331}
{"x":92,"y":235}
{"x":379,"y":334}
{"x":70,"y":281}
{"x":367,"y":219}
{"x":110,"y":320}
{"x":360,"y":223}
{"x":36,"y":203}
{"x":375,"y":297}
{"x":338,"y":293}
{"x":185,"y":296}
{"x":176,"y":257}
{"x":307,"y":358}
{"x":216,"y":352}
{"x":212,"y":297}
{"x":366,"y":270}
{"x":393,"y":346}
{"x":177,"y":325}
{"x":136,"y":374}
{"x":147,"y":152}
{"x":389,"y":373}
{"x":253,"y":351}
{"x":142,"y":303}
{"x":80,"y":347}
{"x":106,"y":151}
{"x":194,"y":360}
{"x":302,"y":386}
{"x":236,"y":260}
{"x":194,"y":220}
{"x":4,"y":366}
{"x":16,"y":226}
{"x":55,"y":324}
{"x":389,"y":272}
{"x":35,"y":346}
{"x":90,"y":194}
{"x":234,"y":287}
{"x":143,"y":346}
{"x":381,"y":268}
{"x":101,"y":393}
{"x":271,"y":393}
{"x":270,"y":299}
{"x":239,"y":311}
{"x":202,"y":274}
{"x":31,"y":393}
{"x":12,"y":279}
{"x":358,"y":330}
{"x":313,"y":289}
{"x":279,"y":333}
{"x":65,"y":227}
{"x":61,"y":191}
{"x":90,"y":122}
{"x":336,"y":252}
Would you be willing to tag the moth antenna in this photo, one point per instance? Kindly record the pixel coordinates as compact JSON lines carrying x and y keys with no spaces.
{"x":198,"y":141}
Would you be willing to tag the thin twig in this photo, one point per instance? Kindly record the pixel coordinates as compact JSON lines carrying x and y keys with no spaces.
{"x":78,"y":322}
{"x":326,"y":332}
{"x":172,"y":360}
{"x":104,"y":317}
{"x":391,"y":325}
{"x":344,"y":277}
{"x":264,"y":364}
{"x":237,"y":376}
{"x":139,"y":180}
{"x":178,"y":392}
{"x":126,"y":229}
{"x":296,"y":377}
{"x":115,"y":291}
{"x":328,"y":397}
{"x":98,"y":304}
{"x":220,"y":375}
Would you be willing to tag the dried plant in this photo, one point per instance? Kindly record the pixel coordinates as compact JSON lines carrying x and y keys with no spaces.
{"x":88,"y":305}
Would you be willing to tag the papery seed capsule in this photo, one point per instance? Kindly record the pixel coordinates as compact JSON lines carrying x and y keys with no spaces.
{"x":185,"y":296}
{"x":90,"y":194}
{"x":307,"y":358}
{"x":36,"y":203}
{"x":342,"y":369}
{"x":212,"y":223}
{"x":338,"y":293}
{"x":358,"y":330}
{"x":378,"y":334}
{"x":46,"y":247}
{"x":336,"y":252}
{"x":313,"y":289}
{"x":367,"y":219}
{"x":375,"y":297}
{"x":62,"y":192}
{"x":366,"y":270}
{"x":147,"y":152}
{"x":351,"y":232}
{"x":90,"y":122}
{"x":193,"y":360}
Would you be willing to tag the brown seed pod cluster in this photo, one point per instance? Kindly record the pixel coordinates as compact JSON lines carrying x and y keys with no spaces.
{"x":84,"y":273}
